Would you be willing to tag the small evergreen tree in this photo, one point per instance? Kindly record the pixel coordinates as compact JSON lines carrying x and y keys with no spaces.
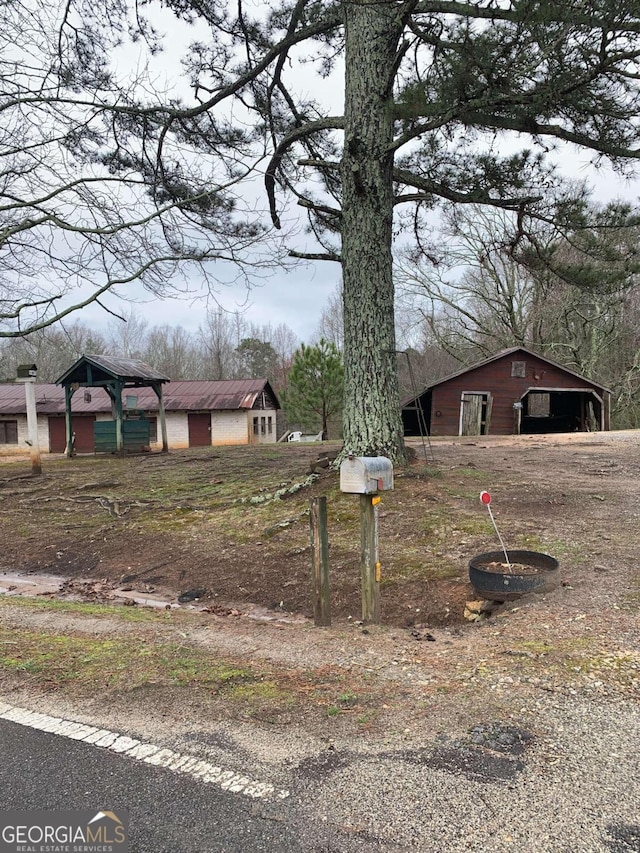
{"x":316,"y":386}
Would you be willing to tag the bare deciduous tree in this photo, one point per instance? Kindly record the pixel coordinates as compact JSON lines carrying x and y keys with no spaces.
{"x":331,"y":327}
{"x":94,"y":193}
{"x":486,"y":295}
{"x":52,"y":350}
{"x":219,"y":336}
{"x":173,"y":351}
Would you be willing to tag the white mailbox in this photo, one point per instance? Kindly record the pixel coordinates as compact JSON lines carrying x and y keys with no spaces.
{"x":366,"y":475}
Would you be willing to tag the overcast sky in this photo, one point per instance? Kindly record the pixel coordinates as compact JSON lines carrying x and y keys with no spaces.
{"x":296,"y":298}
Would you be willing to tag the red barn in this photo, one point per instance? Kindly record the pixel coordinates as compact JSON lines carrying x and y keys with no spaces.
{"x":514,"y":392}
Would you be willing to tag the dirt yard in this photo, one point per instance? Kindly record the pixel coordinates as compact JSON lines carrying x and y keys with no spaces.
{"x":209,"y":525}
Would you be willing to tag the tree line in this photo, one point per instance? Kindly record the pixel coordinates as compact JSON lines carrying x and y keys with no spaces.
{"x":225,"y":346}
{"x":308,"y":378}
{"x":574,"y":301}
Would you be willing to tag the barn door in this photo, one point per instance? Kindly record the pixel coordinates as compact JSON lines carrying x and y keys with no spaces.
{"x":471,"y":414}
{"x":82,"y":428}
{"x":475,"y":413}
{"x":199,"y":430}
{"x":487,"y":414}
{"x":57,"y":435}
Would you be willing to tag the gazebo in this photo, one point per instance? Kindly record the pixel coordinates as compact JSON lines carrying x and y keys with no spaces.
{"x":115,"y":375}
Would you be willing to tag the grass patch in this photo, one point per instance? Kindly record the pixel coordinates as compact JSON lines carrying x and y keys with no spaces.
{"x":80,"y":663}
{"x":347,"y":699}
{"x":427,"y":472}
{"x":578,"y":661}
{"x":267,"y":691}
{"x":443,"y":528}
{"x":622,"y":668}
{"x":126,"y":614}
{"x":472,"y":473}
{"x":554,"y":547}
{"x":88,"y":666}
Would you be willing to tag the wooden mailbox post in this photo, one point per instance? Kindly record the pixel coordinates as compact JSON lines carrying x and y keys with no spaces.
{"x":320,"y":562}
{"x":366,"y":476}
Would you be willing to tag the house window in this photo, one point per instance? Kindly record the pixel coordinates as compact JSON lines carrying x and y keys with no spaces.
{"x":8,"y":432}
{"x":518,"y":369}
{"x":153,"y":429}
{"x":262,"y":426}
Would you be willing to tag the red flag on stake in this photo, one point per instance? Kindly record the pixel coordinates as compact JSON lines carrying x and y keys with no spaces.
{"x":485,"y":498}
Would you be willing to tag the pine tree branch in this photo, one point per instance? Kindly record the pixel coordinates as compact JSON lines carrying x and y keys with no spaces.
{"x":295,"y":135}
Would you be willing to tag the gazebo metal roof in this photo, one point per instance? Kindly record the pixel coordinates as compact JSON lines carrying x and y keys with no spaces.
{"x":94,"y":370}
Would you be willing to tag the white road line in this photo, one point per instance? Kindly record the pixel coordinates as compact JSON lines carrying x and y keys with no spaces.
{"x":149,"y":753}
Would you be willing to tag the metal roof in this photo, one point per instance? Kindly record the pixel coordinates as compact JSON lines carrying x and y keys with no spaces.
{"x":216,"y":395}
{"x":188,"y":395}
{"x":50,"y":400}
{"x":122,"y":368}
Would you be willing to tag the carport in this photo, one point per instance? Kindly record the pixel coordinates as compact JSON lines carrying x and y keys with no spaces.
{"x":548,"y":410}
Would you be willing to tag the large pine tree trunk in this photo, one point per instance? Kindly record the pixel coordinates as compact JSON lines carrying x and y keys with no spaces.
{"x":372,"y":421}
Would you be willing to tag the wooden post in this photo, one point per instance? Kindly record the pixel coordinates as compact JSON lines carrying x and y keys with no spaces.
{"x":117,"y":397}
{"x":163,"y":420}
{"x":68,"y":394}
{"x":517,"y":418}
{"x":32,"y":427}
{"x":320,"y":561}
{"x":370,"y":566}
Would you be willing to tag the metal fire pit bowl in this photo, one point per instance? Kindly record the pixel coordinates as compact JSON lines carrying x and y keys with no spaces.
{"x":507,"y":586}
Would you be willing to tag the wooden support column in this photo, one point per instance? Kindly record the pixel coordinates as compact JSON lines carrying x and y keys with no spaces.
{"x":370,"y":565}
{"x":157,"y":387}
{"x":117,"y":398}
{"x":320,"y":561}
{"x":68,"y":394}
{"x":517,"y":418}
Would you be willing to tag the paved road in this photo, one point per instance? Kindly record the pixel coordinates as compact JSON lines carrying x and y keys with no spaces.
{"x":558,"y":777}
{"x":167,"y":811}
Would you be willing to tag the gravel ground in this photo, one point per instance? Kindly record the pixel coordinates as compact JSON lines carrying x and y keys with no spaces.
{"x":560,"y":774}
{"x":500,"y":760}
{"x":574,"y":787}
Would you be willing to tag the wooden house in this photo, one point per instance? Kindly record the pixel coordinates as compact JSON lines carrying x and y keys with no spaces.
{"x":514,"y":392}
